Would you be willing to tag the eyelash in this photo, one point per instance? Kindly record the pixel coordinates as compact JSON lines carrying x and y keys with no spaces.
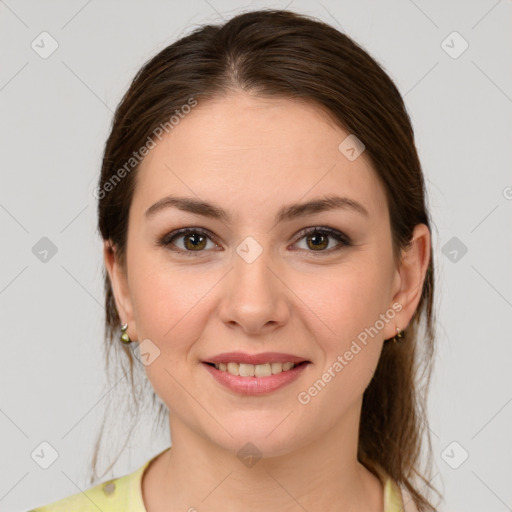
{"x":344,"y":240}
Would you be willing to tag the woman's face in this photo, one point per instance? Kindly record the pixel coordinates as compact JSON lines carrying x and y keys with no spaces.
{"x":252,"y":281}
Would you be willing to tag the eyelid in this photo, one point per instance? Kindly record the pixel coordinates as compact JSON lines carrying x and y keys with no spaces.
{"x":322,"y":229}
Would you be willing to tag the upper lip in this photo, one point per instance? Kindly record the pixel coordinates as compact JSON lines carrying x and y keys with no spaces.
{"x":264,"y":357}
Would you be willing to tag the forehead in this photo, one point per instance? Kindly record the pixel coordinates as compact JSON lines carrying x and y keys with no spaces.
{"x":256,"y":153}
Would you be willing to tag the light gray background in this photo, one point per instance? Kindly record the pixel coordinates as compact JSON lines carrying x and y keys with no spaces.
{"x":56,"y":114}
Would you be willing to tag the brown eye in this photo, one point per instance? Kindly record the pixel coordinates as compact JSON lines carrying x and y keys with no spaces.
{"x":319,"y":239}
{"x":188,"y":241}
{"x":194,"y":241}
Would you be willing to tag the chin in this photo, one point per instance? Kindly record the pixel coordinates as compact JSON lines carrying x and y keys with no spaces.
{"x":266,"y":437}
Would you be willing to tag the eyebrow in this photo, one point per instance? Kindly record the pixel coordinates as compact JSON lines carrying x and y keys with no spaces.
{"x":287,"y":213}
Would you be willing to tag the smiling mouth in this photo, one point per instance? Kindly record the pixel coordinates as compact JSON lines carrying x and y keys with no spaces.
{"x":255,"y":370}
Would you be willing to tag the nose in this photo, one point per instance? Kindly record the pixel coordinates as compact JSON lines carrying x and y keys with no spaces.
{"x":254,"y":298}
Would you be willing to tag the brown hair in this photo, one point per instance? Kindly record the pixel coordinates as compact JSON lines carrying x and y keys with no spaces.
{"x":282,"y":54}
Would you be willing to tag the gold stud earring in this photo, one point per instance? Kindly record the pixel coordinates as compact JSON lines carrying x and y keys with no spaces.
{"x":124,"y":335}
{"x":398,"y":335}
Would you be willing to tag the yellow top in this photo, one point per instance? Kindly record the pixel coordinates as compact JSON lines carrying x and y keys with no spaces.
{"x":124,"y":494}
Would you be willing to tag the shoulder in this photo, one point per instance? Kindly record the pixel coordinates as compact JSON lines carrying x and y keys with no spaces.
{"x":116,"y":495}
{"x":106,"y":494}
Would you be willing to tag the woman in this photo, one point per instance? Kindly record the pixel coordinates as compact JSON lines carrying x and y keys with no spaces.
{"x":268,"y":253}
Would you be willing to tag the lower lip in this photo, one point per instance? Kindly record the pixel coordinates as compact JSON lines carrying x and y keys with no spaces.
{"x":255,"y":385}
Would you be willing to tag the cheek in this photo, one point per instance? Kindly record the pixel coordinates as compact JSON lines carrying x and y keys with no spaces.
{"x":347,"y":307}
{"x":348,"y":299}
{"x":167,"y":303}
{"x":172,"y":305}
{"x":168,"y":307}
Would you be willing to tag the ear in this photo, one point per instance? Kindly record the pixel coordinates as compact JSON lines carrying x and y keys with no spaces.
{"x":119,"y":282}
{"x":410,"y":278}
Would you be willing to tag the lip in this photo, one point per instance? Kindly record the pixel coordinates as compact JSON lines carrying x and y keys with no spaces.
{"x":254,"y":386}
{"x":262,"y":358}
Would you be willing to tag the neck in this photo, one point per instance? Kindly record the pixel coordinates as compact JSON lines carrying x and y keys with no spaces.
{"x":323,"y":474}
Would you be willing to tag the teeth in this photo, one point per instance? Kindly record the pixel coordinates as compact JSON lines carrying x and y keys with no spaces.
{"x":276,"y":368}
{"x":233,"y":368}
{"x":254,"y":370}
{"x":246,"y":370}
{"x":262,"y":370}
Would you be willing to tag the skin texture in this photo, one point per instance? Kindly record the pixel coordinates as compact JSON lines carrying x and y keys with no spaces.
{"x":251,"y":156}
